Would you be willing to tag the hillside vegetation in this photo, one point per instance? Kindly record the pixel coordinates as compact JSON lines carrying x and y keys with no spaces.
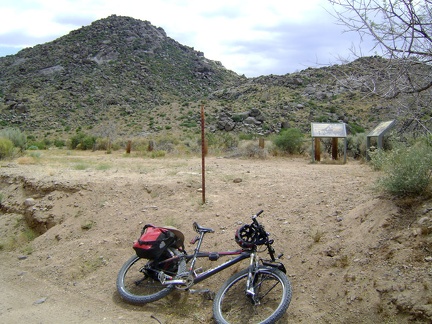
{"x":126,"y":77}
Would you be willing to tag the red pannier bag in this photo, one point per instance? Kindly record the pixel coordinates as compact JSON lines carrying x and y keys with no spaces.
{"x":153,"y":242}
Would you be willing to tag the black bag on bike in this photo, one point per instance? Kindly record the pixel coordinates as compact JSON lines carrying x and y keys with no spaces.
{"x":153,"y":242}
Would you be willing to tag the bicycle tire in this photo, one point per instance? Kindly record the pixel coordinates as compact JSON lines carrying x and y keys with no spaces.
{"x":135,"y":282}
{"x":233,"y":306}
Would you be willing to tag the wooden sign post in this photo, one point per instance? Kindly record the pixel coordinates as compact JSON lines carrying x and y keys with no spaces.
{"x":317,"y":149}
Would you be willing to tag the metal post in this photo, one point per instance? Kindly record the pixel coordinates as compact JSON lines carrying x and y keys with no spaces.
{"x":203,"y":153}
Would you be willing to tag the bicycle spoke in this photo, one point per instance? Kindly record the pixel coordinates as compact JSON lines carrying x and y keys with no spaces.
{"x":235,"y":305}
{"x":258,"y":288}
{"x":138,"y":283}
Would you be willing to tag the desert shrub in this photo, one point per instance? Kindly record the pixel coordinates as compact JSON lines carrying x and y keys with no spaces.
{"x":253,"y":150}
{"x":140,"y":144}
{"x":228,"y":141}
{"x":59,"y":143}
{"x":377,"y":159}
{"x":82,"y":141}
{"x":157,"y":154}
{"x":17,"y":138}
{"x":356,"y":145}
{"x":6,"y":148}
{"x":406,"y":170}
{"x":37,"y":145}
{"x":246,"y":136}
{"x":222,"y":141}
{"x":88,"y":142}
{"x":355,"y":128}
{"x":289,"y":140}
{"x":166,"y":142}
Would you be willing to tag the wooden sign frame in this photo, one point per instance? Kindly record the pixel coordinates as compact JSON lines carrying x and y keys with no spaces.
{"x":328,"y":130}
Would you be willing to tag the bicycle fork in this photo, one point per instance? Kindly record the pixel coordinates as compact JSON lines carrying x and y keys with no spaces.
{"x":250,"y":286}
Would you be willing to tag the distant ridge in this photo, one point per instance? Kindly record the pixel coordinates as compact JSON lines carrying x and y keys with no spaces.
{"x":124,"y":73}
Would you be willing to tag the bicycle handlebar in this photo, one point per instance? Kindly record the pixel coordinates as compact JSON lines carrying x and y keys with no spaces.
{"x":257,"y":214}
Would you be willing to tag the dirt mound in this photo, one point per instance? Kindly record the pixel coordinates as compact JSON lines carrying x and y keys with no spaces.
{"x":352,"y":257}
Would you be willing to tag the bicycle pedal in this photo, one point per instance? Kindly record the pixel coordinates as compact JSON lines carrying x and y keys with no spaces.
{"x":162,"y":277}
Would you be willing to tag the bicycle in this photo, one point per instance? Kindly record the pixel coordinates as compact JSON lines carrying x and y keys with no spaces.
{"x":261,"y":293}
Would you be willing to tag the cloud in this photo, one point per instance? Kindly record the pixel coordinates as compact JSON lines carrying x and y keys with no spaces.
{"x":290,"y":46}
{"x":73,"y":20}
{"x":19,"y":39}
{"x":252,"y":37}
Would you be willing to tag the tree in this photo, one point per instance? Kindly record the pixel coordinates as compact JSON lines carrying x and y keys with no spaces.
{"x":402,"y":31}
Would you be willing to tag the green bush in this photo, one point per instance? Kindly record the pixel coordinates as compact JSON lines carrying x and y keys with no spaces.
{"x":82,"y":141}
{"x":222,"y":141}
{"x":355,"y":128}
{"x":37,"y":145}
{"x":289,"y":141}
{"x":17,"y":138}
{"x":356,"y":145}
{"x":377,"y":159}
{"x":407,"y":170}
{"x":6,"y":148}
{"x":59,"y":143}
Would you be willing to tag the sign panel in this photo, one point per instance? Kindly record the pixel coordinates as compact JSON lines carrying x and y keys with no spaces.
{"x":328,"y":130}
{"x":381,"y":128}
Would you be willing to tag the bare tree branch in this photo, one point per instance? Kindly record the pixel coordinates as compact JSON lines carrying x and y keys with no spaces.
{"x":402,"y":31}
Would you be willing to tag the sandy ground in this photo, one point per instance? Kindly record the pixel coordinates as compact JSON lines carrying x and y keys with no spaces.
{"x":351,"y":255}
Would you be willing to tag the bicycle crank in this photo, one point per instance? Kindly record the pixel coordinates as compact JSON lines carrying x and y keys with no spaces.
{"x":187,"y":281}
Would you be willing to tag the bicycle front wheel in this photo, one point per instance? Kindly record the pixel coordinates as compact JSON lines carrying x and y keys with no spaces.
{"x":272,"y":297}
{"x":137,"y":280}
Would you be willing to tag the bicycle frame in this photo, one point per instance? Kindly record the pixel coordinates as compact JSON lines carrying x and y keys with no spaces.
{"x":191,"y":277}
{"x":241,"y":255}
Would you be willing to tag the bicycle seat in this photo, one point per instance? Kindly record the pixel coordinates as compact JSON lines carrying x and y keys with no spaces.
{"x":200,"y":229}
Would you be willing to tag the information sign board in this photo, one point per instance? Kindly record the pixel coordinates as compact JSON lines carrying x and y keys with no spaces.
{"x":328,"y":130}
{"x":381,"y":128}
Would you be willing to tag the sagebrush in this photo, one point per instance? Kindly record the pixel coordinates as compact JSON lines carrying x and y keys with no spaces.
{"x":406,"y":169}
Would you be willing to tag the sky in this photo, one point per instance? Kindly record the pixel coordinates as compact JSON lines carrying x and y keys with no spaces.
{"x":249,"y":37}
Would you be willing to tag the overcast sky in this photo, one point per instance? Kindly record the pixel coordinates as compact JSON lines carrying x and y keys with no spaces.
{"x":249,"y":37}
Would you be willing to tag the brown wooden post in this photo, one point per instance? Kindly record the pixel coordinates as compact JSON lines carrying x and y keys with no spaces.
{"x":334,"y":148}
{"x":261,"y":143}
{"x":128,"y":147}
{"x":150,"y":146}
{"x":317,"y":149}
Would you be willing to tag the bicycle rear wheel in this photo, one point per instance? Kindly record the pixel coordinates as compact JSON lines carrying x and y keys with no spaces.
{"x":273,"y":296}
{"x":137,"y":280}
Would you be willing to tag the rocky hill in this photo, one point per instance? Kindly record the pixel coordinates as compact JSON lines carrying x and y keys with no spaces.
{"x":115,"y":67}
{"x":126,"y":73}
